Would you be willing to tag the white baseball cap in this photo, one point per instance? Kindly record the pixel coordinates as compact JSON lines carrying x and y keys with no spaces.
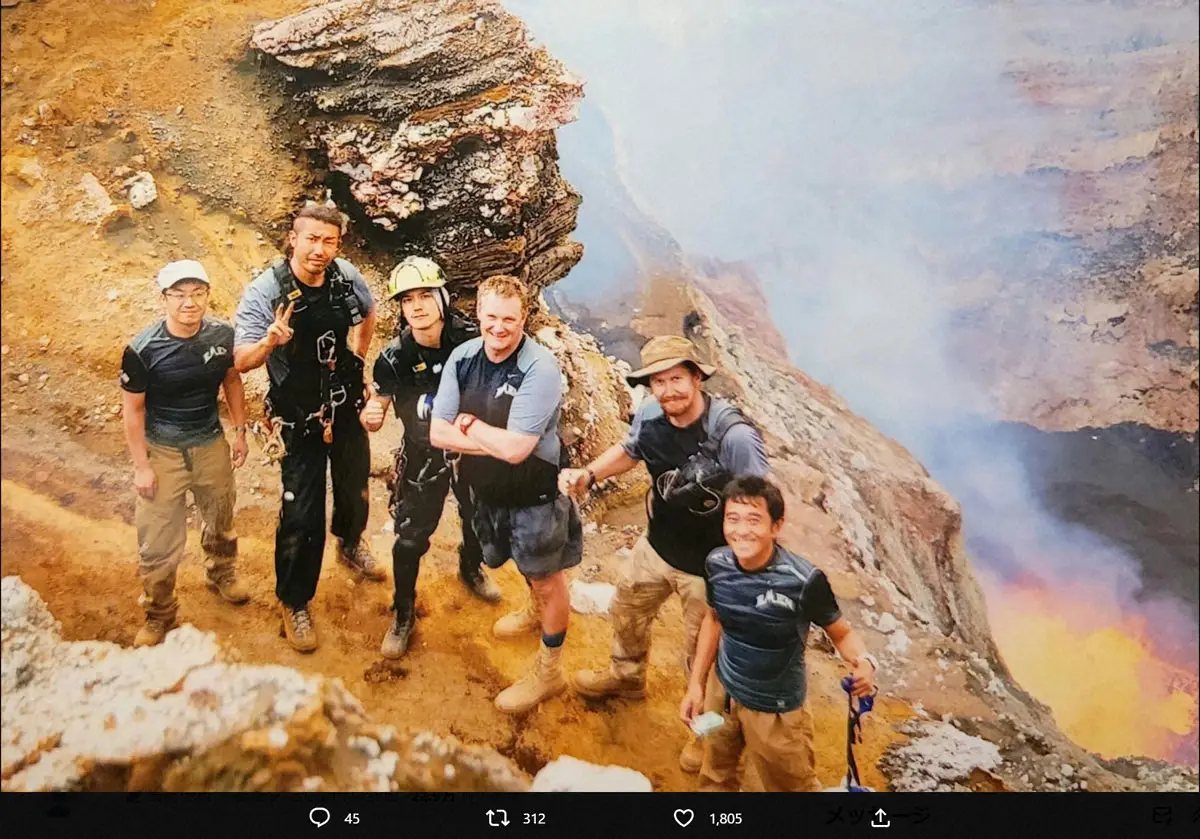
{"x":180,"y":270}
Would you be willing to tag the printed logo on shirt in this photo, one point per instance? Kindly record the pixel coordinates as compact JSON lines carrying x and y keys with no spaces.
{"x":505,"y":390}
{"x":437,"y":368}
{"x":771,"y":597}
{"x":214,"y":352}
{"x":420,"y":366}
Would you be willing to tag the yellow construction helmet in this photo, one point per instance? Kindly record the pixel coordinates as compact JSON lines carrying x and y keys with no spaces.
{"x":414,"y":272}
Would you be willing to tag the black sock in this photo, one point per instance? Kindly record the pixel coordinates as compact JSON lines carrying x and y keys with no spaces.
{"x":555,"y":640}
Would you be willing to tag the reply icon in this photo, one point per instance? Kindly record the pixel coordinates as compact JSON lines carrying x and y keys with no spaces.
{"x":318,"y":816}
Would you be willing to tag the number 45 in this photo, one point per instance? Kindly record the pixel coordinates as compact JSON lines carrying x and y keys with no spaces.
{"x":351,"y":818}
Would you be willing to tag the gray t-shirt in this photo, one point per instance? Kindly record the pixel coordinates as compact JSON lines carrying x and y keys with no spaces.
{"x":523,"y":394}
{"x":256,"y":312}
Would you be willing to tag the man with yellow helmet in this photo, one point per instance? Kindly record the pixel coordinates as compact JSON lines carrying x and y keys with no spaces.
{"x":406,"y":377}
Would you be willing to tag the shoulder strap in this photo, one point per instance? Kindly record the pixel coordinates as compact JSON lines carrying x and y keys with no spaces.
{"x":727,"y":417}
{"x":286,"y":283}
{"x":342,"y":293}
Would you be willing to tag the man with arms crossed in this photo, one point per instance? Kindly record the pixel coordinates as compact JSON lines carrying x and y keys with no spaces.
{"x":691,"y":444}
{"x":170,"y":375}
{"x":498,"y":405}
{"x":310,"y":319}
{"x":762,"y":599}
{"x":407,"y":373}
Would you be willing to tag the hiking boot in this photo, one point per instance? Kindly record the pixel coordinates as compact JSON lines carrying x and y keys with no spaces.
{"x":230,"y":589}
{"x":153,"y":631}
{"x":395,"y":643}
{"x":359,"y":560}
{"x":602,"y":684}
{"x":480,"y":584}
{"x":521,"y":622}
{"x":544,"y":680}
{"x":297,"y":627}
{"x":692,"y":756}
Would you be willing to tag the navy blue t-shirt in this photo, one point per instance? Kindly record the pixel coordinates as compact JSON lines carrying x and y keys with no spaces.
{"x":764,"y":617}
{"x":180,"y":377}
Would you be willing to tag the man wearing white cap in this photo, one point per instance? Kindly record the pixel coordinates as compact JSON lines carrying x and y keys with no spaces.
{"x":170,"y":374}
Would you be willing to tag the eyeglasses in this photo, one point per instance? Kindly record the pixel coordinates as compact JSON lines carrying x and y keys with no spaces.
{"x":198,"y":296}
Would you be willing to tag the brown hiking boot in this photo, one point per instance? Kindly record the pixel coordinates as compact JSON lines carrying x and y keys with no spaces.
{"x":153,"y":631}
{"x":544,"y":680}
{"x":297,"y":627}
{"x":521,"y":622}
{"x":359,"y":559}
{"x":692,"y":756}
{"x":602,"y":684}
{"x":480,"y":584}
{"x":228,"y":586}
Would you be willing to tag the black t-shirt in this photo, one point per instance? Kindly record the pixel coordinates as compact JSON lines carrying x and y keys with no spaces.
{"x":764,"y":617}
{"x":683,"y":538}
{"x":180,"y":377}
{"x":409,"y":373}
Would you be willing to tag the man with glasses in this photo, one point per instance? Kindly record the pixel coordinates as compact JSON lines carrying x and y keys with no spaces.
{"x":170,"y":375}
{"x":310,"y":319}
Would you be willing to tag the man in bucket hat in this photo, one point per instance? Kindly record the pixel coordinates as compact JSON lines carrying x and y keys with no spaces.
{"x":692,"y":445}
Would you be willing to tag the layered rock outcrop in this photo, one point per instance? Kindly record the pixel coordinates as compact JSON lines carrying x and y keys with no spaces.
{"x":441,"y":117}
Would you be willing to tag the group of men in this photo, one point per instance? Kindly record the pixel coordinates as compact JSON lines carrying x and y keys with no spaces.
{"x":480,"y":406}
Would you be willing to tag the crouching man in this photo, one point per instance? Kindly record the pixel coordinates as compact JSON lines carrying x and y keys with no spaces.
{"x":762,"y":599}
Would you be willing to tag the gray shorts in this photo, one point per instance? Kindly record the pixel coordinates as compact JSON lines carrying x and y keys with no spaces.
{"x":542,"y":540}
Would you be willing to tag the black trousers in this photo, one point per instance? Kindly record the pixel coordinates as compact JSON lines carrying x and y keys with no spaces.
{"x":416,"y":518}
{"x":300,"y":537}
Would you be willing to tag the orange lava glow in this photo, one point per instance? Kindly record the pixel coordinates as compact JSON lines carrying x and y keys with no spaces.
{"x":1098,"y":670}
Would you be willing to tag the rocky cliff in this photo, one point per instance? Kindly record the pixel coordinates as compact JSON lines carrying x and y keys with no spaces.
{"x":440,"y":116}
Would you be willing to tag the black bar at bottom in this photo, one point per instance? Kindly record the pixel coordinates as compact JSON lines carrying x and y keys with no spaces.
{"x":505,"y":816}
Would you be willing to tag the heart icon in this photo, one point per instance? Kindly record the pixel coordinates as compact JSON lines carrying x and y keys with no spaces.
{"x":684,"y":817}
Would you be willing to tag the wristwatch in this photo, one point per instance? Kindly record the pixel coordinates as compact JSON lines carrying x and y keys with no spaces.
{"x":871,"y":660}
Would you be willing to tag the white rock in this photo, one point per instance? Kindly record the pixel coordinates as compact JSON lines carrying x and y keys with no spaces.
{"x":567,"y":774}
{"x":887,"y":623}
{"x":1067,"y":770}
{"x":591,"y":598}
{"x":943,"y":754}
{"x":142,"y":190}
{"x":898,"y":643}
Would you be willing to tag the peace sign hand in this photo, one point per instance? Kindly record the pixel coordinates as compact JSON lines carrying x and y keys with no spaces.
{"x":279,"y":333}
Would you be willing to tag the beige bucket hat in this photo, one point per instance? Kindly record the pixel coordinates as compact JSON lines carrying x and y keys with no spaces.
{"x":664,"y":352}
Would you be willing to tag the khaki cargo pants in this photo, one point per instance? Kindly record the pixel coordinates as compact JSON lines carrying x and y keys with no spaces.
{"x":779,"y":747}
{"x":645,"y":583}
{"x":162,"y":521}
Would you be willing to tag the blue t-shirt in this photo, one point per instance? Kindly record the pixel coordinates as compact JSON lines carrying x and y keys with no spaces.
{"x":764,"y":617}
{"x":523,"y":394}
{"x":180,"y":377}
